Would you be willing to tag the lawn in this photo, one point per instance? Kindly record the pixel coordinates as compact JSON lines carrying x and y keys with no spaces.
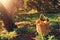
{"x":31,"y":30}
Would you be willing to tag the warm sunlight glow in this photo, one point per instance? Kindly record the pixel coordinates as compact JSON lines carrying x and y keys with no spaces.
{"x":8,"y":4}
{"x":3,"y":1}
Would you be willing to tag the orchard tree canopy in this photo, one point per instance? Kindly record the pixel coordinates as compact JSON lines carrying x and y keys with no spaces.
{"x":48,"y":6}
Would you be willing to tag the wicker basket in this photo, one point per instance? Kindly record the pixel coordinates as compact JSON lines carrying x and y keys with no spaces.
{"x":42,"y":27}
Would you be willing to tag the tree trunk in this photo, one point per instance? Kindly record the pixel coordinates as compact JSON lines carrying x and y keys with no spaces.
{"x":8,"y":22}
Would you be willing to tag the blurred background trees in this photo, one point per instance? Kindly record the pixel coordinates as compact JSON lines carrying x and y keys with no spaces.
{"x":47,"y":6}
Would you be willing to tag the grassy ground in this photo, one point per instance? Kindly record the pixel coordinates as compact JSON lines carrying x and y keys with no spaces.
{"x":53,"y":18}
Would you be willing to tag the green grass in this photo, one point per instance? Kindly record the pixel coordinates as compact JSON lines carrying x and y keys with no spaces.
{"x":51,"y":17}
{"x":49,"y":37}
{"x":25,"y":30}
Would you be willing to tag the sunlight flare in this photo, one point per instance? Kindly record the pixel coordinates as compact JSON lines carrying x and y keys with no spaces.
{"x":9,"y":5}
{"x":6,"y":3}
{"x":3,"y":1}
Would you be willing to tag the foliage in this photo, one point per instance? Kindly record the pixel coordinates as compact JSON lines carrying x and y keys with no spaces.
{"x":8,"y":36}
{"x":43,"y":6}
{"x":41,"y":37}
{"x":55,"y":25}
{"x":49,"y":37}
{"x":25,"y":30}
{"x":52,"y":37}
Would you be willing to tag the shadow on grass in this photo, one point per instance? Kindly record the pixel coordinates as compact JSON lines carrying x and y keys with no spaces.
{"x":26,"y":33}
